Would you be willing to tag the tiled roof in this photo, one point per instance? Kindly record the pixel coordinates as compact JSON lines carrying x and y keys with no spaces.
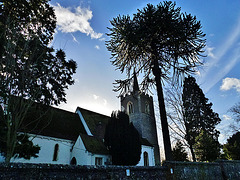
{"x":53,"y":122}
{"x":93,"y":144}
{"x":145,"y":142}
{"x":96,"y":122}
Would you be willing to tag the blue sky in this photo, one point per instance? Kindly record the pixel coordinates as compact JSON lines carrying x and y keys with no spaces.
{"x":81,"y":33}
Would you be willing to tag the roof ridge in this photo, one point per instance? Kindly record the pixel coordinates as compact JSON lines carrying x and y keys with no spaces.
{"x":92,"y":112}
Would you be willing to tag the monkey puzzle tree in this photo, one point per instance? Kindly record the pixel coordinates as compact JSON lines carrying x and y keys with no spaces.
{"x":30,"y":71}
{"x":159,"y":41}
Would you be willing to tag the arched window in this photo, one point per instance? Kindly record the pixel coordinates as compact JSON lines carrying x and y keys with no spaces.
{"x":73,"y":161}
{"x":55,"y":154}
{"x":147,"y":108}
{"x":129,"y":107}
{"x":145,"y":158}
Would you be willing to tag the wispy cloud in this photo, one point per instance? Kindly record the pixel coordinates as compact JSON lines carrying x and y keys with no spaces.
{"x":74,"y":39}
{"x":209,"y":51}
{"x":230,"y":83}
{"x":216,"y":55}
{"x":69,"y":22}
{"x":97,"y":47}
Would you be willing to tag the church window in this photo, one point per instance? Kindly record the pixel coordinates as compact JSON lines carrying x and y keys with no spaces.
{"x":98,"y":161}
{"x":55,"y":154}
{"x":147,"y":108}
{"x":145,"y":158}
{"x":73,"y":161}
{"x":130,"y":107}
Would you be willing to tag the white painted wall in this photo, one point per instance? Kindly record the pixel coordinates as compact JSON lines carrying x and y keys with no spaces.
{"x":84,"y":157}
{"x":150,"y":151}
{"x":47,"y":145}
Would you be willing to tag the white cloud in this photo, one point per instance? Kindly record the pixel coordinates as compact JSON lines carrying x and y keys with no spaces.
{"x":97,"y":47}
{"x":226,"y":117}
{"x":78,"y":20}
{"x":95,"y":96}
{"x":230,"y":83}
{"x":209,"y":51}
{"x":225,"y":47}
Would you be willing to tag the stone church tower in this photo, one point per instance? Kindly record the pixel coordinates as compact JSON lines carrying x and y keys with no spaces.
{"x":139,"y":107}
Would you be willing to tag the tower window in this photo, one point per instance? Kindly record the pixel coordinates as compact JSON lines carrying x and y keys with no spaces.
{"x":147,"y":108}
{"x":130,"y":108}
{"x":55,"y":154}
{"x":145,"y":158}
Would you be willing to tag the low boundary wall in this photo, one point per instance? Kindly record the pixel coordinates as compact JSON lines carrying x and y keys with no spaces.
{"x":172,"y":170}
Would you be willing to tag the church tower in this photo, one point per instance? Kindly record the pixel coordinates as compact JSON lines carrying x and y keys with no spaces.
{"x":139,"y":107}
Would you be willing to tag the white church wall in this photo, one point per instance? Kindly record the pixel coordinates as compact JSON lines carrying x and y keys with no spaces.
{"x":83,"y":157}
{"x":46,"y":153}
{"x":150,"y":152}
{"x":80,"y":153}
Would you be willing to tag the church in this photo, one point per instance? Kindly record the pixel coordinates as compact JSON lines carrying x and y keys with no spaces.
{"x":78,"y":138}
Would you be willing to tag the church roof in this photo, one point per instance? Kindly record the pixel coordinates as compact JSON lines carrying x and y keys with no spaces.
{"x":145,"y":142}
{"x":53,"y":122}
{"x":96,"y":122}
{"x":93,"y":144}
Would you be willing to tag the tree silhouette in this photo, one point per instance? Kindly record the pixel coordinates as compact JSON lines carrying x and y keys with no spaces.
{"x":122,"y":140}
{"x":232,"y":148}
{"x":29,"y":67}
{"x":197,"y":113}
{"x":159,"y":41}
{"x":179,"y":153}
{"x":206,"y":147}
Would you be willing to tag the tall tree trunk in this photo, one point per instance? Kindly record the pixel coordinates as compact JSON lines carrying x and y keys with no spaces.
{"x":192,"y":152}
{"x":163,"y":115}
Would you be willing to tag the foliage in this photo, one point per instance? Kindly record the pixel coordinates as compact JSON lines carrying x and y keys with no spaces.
{"x":156,"y":41}
{"x":235,"y":110}
{"x":207,"y":148}
{"x":122,"y":140}
{"x":232,"y":148}
{"x":179,"y":153}
{"x":198,"y":114}
{"x":29,"y":68}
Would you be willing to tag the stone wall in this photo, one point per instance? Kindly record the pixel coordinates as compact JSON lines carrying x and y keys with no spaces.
{"x":60,"y":172}
{"x":220,"y":170}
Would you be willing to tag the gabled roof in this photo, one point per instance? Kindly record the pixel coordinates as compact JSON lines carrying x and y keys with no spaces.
{"x":52,"y":122}
{"x":93,"y":144}
{"x":96,"y":122}
{"x":145,"y":142}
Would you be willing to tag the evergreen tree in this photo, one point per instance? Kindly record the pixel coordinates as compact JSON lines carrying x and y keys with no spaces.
{"x":232,"y":148}
{"x":122,"y":140}
{"x":29,"y":68}
{"x":206,"y":147}
{"x":157,"y":40}
{"x":179,"y":153}
{"x":197,"y":113}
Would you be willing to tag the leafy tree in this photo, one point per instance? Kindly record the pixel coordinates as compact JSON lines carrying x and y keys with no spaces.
{"x":235,"y":110}
{"x":159,"y":41}
{"x":179,"y":153}
{"x":232,"y":148}
{"x":197,"y":113}
{"x":122,"y":140}
{"x":207,"y":148}
{"x":29,"y":67}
